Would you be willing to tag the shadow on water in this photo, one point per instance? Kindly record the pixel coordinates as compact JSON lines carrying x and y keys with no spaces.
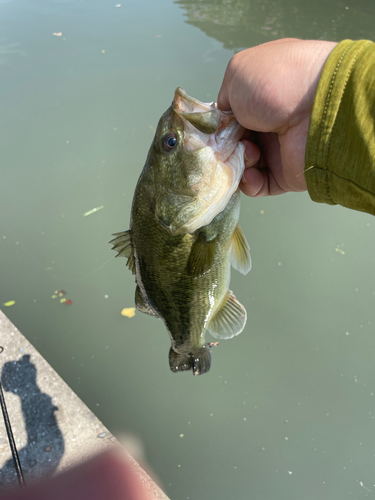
{"x":45,"y":443}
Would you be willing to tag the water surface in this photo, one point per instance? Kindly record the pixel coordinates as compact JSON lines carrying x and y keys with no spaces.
{"x":287,"y":410}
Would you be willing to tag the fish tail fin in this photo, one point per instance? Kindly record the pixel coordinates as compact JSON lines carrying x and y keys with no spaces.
{"x":199,"y":360}
{"x":179,"y":362}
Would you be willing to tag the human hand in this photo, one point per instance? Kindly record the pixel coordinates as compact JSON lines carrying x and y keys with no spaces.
{"x":270,"y":89}
{"x":109,"y":476}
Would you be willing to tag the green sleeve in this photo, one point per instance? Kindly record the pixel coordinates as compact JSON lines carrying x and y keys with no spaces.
{"x":340,"y":149}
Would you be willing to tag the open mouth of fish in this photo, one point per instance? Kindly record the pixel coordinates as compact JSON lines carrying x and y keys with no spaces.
{"x":216,"y":136}
{"x":206,"y":125}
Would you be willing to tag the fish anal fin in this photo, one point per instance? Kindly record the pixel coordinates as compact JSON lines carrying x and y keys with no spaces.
{"x":122,"y":244}
{"x":142,"y":306}
{"x":229,"y":320}
{"x":201,"y":256}
{"x":240,"y":252}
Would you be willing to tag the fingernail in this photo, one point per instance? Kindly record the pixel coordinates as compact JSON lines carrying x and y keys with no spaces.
{"x":243,"y":180}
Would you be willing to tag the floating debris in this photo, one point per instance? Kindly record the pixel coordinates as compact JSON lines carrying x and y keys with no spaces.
{"x":363,"y":486}
{"x":93,"y":210}
{"x":57,"y":34}
{"x":60,"y":294}
{"x":9,"y":303}
{"x":129,"y":312}
{"x":338,"y":249}
{"x":213,"y":344}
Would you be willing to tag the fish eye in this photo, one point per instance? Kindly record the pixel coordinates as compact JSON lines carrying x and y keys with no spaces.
{"x":169,"y":141}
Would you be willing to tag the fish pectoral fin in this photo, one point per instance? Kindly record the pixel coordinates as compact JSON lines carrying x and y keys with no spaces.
{"x":123,"y":245}
{"x":229,"y":320}
{"x":240,"y":252}
{"x":141,"y":306}
{"x":201,"y":255}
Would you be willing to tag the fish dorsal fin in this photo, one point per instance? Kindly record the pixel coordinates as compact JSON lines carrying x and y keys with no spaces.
{"x":229,"y":320}
{"x":142,"y":306}
{"x":122,"y":244}
{"x":240,"y":252}
{"x":201,"y":255}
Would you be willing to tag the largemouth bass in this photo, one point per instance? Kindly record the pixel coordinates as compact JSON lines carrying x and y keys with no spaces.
{"x":184,"y":234}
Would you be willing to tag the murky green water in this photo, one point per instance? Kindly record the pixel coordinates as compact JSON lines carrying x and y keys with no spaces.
{"x":288,"y":408}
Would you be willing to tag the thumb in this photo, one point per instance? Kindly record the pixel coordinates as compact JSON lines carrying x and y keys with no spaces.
{"x":223,"y":97}
{"x":109,"y":476}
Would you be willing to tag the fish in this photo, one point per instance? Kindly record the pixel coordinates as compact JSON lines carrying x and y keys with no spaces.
{"x":184,"y":234}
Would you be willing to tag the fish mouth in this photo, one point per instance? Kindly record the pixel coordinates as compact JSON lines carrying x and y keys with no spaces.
{"x":211,"y":170}
{"x":205,"y":125}
{"x":186,"y":104}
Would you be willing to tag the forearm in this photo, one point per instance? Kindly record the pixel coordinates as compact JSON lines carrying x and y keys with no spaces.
{"x":340,"y":150}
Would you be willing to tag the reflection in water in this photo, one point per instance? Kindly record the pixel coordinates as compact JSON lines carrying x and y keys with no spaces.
{"x":9,"y":49}
{"x":45,"y":442}
{"x":237,"y":24}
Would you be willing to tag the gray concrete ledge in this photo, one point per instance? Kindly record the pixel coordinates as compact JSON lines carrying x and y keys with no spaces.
{"x":53,"y":429}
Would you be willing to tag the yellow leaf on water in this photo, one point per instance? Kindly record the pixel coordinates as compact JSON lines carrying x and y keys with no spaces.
{"x":63,"y":300}
{"x":93,"y":210}
{"x":9,"y":303}
{"x":129,"y":312}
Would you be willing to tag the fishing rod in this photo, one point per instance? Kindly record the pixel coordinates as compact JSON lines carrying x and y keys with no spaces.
{"x":12,"y":444}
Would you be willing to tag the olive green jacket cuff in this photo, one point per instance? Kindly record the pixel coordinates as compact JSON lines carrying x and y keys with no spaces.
{"x":340,"y":149}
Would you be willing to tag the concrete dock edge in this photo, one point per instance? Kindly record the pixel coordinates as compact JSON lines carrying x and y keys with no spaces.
{"x":53,"y":429}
